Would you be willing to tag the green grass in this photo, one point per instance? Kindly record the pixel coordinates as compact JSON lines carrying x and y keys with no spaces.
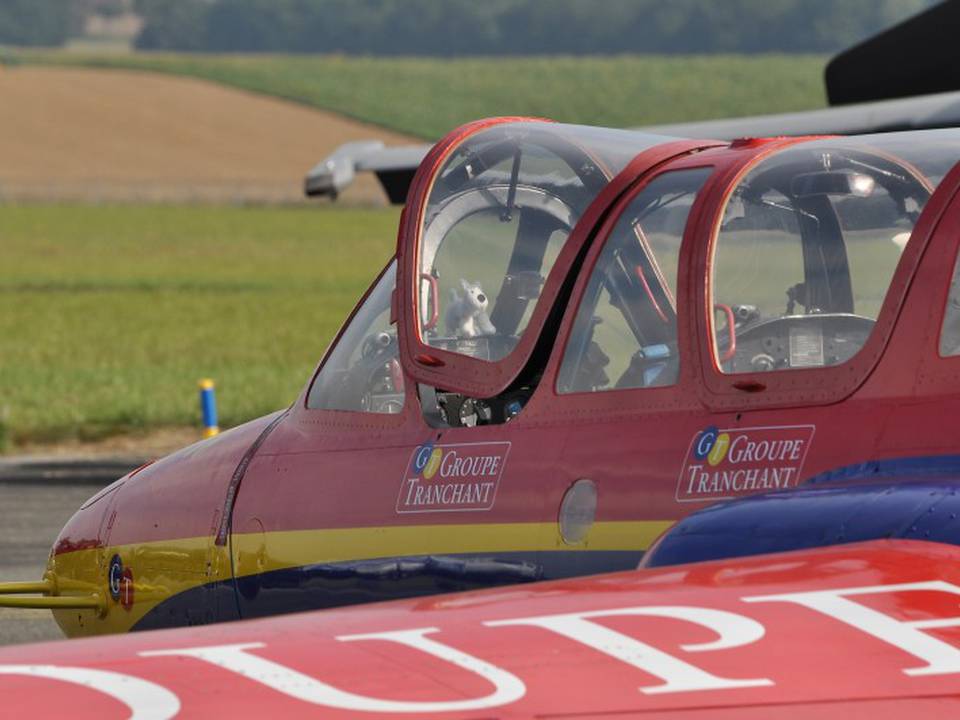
{"x":427,"y":98}
{"x":110,"y":315}
{"x":756,"y":268}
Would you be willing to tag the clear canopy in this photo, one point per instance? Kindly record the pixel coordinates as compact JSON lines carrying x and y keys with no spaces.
{"x":499,"y":212}
{"x":808,"y":244}
{"x":625,"y":332}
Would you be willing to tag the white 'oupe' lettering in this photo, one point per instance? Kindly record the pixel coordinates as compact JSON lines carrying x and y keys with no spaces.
{"x":508,"y":688}
{"x":146,"y":700}
{"x":678,"y":676}
{"x":941,"y":658}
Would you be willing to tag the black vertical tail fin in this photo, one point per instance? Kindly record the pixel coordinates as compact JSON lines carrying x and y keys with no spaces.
{"x":919,"y":56}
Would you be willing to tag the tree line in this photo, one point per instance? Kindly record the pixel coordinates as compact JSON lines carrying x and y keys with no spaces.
{"x":515,"y":27}
{"x":477,"y":27}
{"x":38,"y":22}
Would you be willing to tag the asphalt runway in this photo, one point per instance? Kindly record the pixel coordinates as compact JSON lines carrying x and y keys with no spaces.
{"x":32,"y":516}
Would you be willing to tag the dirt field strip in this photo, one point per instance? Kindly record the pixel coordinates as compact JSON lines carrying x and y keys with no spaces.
{"x":151,"y":444}
{"x":119,"y":135}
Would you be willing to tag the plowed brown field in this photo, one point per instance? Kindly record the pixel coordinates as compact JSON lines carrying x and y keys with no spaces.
{"x":117,"y":135}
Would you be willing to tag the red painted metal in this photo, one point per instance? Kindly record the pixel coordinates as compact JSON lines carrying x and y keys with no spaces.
{"x":329,"y":470}
{"x":857,"y":630}
{"x":162,"y":500}
{"x":428,"y":360}
{"x":749,"y":385}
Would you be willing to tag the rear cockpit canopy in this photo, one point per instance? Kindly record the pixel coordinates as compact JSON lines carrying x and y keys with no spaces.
{"x":808,"y":243}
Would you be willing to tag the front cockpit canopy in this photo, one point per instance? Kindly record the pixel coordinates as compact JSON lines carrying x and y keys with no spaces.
{"x":499,"y":212}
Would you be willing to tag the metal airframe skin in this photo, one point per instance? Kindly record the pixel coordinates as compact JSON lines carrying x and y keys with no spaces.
{"x":314,"y":508}
{"x":861,"y":630}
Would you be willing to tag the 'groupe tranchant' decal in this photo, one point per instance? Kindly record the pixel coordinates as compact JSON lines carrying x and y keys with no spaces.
{"x":723,"y":464}
{"x":444,"y":478}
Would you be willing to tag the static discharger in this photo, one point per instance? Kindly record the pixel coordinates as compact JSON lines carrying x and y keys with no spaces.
{"x":208,"y":408}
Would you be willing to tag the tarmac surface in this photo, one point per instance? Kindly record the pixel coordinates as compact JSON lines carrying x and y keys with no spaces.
{"x":38,"y":494}
{"x":33,"y":514}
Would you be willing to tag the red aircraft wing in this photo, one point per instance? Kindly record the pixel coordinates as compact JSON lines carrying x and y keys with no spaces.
{"x":847,"y":631}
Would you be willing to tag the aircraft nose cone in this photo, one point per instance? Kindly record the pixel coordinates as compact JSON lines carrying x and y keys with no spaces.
{"x":81,"y":584}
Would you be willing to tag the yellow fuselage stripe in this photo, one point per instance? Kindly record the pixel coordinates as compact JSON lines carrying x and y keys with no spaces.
{"x":163,"y":569}
{"x":293,"y":548}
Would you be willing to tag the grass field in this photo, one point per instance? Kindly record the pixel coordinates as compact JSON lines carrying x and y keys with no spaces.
{"x":109,"y":315}
{"x":426,"y":98}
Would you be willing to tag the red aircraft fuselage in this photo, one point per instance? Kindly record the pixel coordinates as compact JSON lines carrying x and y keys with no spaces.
{"x":585,"y":335}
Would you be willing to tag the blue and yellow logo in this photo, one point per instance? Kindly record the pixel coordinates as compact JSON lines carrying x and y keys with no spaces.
{"x":711,"y":445}
{"x":426,"y":460}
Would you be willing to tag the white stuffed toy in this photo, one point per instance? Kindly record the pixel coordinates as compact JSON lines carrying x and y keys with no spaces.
{"x":466,"y":315}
